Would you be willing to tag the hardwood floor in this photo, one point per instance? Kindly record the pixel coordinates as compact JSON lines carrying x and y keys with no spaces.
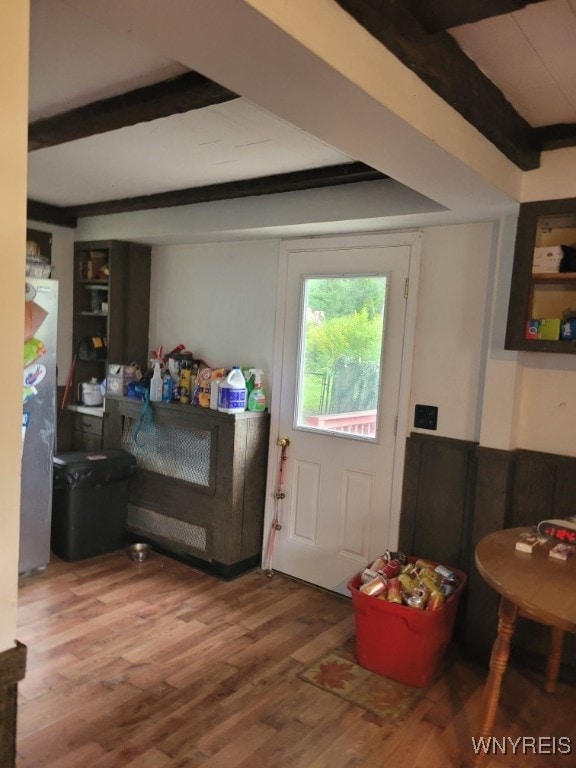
{"x":155,"y":664}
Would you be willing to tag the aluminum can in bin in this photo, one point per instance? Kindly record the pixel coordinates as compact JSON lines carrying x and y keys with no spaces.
{"x":394,"y":591}
{"x":430,"y":584}
{"x":367,"y":575}
{"x":407,"y":582}
{"x":375,"y":587}
{"x":436,"y":601}
{"x":416,"y":601}
{"x":377,"y":564}
{"x":391,"y":569}
{"x":446,"y":574}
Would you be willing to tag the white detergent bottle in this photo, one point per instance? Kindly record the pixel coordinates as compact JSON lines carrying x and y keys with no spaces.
{"x":156,"y":383}
{"x":232,"y":392}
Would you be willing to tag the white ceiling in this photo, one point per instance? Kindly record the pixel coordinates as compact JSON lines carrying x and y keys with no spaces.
{"x":531,"y":56}
{"x":75,"y":60}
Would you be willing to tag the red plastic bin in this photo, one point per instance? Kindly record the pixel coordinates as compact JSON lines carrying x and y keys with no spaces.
{"x":403,"y":643}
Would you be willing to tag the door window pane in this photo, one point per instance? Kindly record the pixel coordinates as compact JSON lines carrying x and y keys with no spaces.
{"x":341,"y":340}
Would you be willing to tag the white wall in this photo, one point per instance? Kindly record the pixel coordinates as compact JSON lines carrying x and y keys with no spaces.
{"x":217,"y":299}
{"x":547,"y":405}
{"x":451,"y":329}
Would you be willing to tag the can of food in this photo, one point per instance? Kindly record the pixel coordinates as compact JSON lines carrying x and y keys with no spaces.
{"x":375,"y":587}
{"x":424,"y":564}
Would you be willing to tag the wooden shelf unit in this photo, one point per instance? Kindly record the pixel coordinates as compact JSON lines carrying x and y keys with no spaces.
{"x":120,"y":272}
{"x":536,"y":295}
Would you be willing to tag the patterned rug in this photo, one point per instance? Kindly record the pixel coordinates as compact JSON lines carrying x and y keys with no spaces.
{"x":337,"y":672}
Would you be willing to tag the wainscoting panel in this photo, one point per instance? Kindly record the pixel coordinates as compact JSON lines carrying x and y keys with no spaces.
{"x":437,"y":499}
{"x":455,"y":493}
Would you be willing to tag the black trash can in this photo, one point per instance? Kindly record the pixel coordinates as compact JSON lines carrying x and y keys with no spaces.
{"x":90,"y":502}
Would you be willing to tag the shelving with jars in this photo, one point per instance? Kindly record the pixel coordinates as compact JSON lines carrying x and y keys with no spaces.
{"x":540,"y":295}
{"x":111,"y":306}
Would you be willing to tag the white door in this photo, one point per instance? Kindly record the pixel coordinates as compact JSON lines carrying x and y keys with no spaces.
{"x":340,"y":398}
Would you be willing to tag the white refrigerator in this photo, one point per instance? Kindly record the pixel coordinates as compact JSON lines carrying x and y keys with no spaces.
{"x":39,"y":414}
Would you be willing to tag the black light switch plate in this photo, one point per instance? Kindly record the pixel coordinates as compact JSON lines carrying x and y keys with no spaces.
{"x":425,"y":416}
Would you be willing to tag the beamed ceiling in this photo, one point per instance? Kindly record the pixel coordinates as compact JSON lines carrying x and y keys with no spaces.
{"x":423,"y":34}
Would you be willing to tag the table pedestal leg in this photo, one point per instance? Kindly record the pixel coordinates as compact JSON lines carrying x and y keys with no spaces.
{"x":498,"y":661}
{"x":554,"y":657}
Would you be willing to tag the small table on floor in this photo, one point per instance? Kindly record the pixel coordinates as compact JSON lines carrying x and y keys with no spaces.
{"x":535,"y":586}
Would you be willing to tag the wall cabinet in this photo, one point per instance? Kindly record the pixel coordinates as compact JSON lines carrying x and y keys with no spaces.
{"x":536,"y":295}
{"x":111,"y":307}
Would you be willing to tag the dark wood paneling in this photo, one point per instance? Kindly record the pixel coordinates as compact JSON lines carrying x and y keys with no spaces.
{"x":437,"y":499}
{"x":544,"y":486}
{"x":12,"y":670}
{"x":516,"y":488}
{"x":491,"y":499}
{"x":454,"y":485}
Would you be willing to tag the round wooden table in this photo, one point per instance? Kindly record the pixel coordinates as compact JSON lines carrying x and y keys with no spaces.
{"x":535,"y":586}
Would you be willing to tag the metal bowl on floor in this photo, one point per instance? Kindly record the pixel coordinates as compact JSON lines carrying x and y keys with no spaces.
{"x":138,"y":552}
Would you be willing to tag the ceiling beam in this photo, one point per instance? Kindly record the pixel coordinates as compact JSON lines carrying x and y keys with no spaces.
{"x":328,"y":176}
{"x":444,"y":67}
{"x":333,"y":175}
{"x":440,"y":15}
{"x":175,"y":96}
{"x":556,"y":136}
{"x":51,"y":214}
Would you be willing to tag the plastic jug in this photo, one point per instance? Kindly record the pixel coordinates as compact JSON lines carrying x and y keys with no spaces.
{"x":156,"y":383}
{"x":232,"y":392}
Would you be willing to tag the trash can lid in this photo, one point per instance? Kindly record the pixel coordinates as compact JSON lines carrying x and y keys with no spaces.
{"x":93,"y":467}
{"x":80,"y":457}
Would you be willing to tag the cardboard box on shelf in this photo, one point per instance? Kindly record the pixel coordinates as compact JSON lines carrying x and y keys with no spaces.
{"x":547,"y":259}
{"x":119,"y":376}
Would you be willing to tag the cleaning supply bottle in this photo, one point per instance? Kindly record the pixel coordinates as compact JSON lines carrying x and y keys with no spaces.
{"x":167,"y":387}
{"x":156,"y":383}
{"x":257,"y":398}
{"x":232,"y":392}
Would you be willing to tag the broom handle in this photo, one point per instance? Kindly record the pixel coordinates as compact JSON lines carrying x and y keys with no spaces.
{"x":68,"y":386}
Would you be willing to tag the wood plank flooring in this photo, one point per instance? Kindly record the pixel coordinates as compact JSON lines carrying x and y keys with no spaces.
{"x":157,"y":665}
